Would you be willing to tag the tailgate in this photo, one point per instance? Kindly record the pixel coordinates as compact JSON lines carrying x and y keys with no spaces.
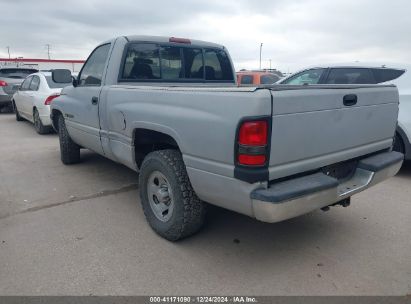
{"x":321,"y":125}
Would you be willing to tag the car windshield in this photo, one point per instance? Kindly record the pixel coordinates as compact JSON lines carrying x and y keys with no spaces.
{"x":55,"y":85}
{"x":16,"y":73}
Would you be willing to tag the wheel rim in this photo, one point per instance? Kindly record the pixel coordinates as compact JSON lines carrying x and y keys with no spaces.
{"x":36,"y":120}
{"x":160,"y":196}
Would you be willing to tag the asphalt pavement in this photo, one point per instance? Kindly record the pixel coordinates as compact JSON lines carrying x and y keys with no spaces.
{"x":80,"y":230}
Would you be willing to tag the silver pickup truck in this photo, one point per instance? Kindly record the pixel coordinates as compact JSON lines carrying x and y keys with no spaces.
{"x":170,"y":109}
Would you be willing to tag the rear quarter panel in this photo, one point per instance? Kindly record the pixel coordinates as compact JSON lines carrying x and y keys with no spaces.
{"x":203,"y":121}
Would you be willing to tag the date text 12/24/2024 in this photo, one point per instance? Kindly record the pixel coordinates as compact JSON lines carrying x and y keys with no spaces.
{"x":204,"y":299}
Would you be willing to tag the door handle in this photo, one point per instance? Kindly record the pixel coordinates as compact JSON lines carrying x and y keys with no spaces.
{"x":350,"y":100}
{"x":94,"y":100}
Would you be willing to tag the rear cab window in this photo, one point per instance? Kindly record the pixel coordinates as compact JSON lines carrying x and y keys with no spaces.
{"x":170,"y":63}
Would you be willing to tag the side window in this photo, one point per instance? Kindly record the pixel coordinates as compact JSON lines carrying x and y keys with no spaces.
{"x":217,"y":65}
{"x":193,"y":63}
{"x":269,"y":79}
{"x":307,"y":77}
{"x":26,"y":83}
{"x":171,"y":63}
{"x":385,"y":74}
{"x":92,"y":72}
{"x":34,"y":85}
{"x":246,"y":79}
{"x":142,"y":62}
{"x":350,"y":76}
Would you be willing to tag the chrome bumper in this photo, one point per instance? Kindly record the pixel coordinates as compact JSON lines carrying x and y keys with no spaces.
{"x":301,"y":195}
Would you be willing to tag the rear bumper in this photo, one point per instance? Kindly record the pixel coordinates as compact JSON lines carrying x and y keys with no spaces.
{"x":301,"y":195}
{"x":5,"y":99}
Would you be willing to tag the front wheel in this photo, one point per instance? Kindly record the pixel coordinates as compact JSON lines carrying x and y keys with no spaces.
{"x":69,"y":150}
{"x":169,"y":202}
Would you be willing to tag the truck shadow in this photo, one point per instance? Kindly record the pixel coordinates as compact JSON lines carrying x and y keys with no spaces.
{"x":238,"y":239}
{"x":232,"y":236}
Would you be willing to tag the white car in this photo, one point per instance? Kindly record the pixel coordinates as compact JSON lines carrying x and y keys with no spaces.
{"x":369,"y":73}
{"x":33,"y":98}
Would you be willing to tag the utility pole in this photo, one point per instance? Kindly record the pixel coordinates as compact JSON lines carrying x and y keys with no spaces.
{"x":270,"y":64}
{"x":48,"y":46}
{"x":261,"y":47}
{"x":8,"y":50}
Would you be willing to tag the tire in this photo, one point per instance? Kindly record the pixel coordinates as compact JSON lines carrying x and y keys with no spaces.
{"x":38,"y":125}
{"x":398,"y":144}
{"x":18,"y":117}
{"x":69,"y":150}
{"x":186,"y":212}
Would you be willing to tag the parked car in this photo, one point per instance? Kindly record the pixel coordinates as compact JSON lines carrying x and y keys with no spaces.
{"x":170,"y":108}
{"x":10,"y":80}
{"x":360,"y":74}
{"x":32,"y":100}
{"x":256,"y":77}
{"x":356,"y":73}
{"x":402,"y":142}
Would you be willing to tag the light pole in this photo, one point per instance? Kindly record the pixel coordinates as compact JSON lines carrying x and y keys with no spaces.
{"x":270,"y":64}
{"x":48,"y":50}
{"x":261,"y":48}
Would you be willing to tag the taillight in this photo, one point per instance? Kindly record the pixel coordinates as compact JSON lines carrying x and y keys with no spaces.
{"x":253,"y":133}
{"x":50,"y":99}
{"x":3,"y":83}
{"x":252,"y":143}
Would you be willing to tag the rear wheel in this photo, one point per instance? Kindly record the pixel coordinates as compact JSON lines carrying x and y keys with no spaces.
{"x":69,"y":150}
{"x":398,"y":144}
{"x":18,"y":117}
{"x":38,"y":125}
{"x":170,"y":204}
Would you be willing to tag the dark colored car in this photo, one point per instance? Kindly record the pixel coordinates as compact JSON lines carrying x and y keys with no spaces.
{"x":10,"y":81}
{"x":362,"y":75}
{"x":343,"y":75}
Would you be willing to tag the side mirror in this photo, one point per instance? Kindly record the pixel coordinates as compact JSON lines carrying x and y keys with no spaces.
{"x":74,"y":81}
{"x":61,"y":76}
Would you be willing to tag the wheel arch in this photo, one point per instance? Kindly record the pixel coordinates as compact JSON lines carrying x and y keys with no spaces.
{"x":146,"y":140}
{"x":405,"y":140}
{"x":54,"y":115}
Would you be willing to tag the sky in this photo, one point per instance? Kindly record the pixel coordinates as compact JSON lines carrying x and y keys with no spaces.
{"x":294,"y":33}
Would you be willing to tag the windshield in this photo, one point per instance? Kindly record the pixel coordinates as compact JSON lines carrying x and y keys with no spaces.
{"x":16,"y":73}
{"x":55,"y":85}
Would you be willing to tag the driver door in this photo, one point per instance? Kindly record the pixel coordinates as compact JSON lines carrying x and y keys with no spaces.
{"x":82,"y":119}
